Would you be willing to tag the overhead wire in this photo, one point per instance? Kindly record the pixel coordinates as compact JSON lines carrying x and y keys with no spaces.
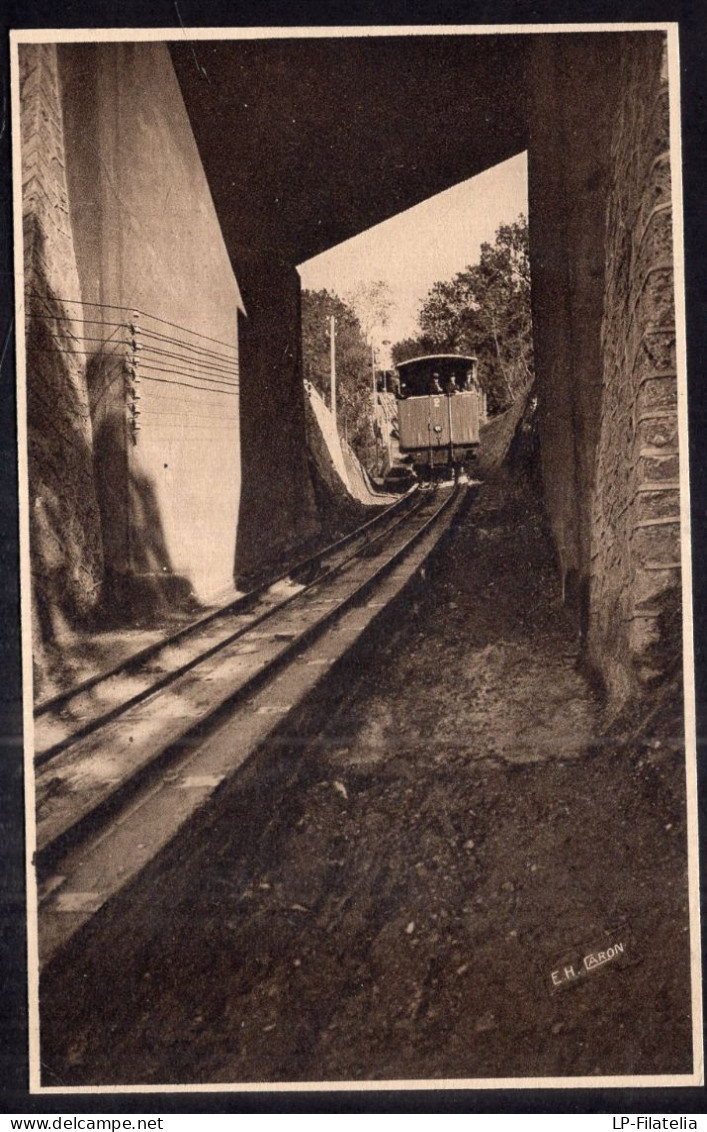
{"x":57,"y":350}
{"x":72,"y":318}
{"x":158,"y":336}
{"x":165,"y":430}
{"x":186,"y":361}
{"x":85,"y":338}
{"x":135,"y":310}
{"x":186,"y":385}
{"x":105,"y":389}
{"x":207,"y":371}
{"x":178,"y":399}
{"x":187,"y":373}
{"x":150,"y":412}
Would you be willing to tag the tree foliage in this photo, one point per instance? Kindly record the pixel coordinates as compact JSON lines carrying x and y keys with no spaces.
{"x":484,"y":310}
{"x":372,"y":302}
{"x":353,"y":365}
{"x":408,"y":348}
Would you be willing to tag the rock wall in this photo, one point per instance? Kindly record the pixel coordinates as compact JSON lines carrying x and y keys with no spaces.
{"x":65,"y":528}
{"x":635,"y":565}
{"x":603,"y":320}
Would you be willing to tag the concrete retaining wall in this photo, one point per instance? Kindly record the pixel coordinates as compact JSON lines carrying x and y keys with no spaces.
{"x":278,"y":510}
{"x":321,"y":419}
{"x":568,"y":183}
{"x":359,"y":481}
{"x":336,"y":461}
{"x":118,"y":215}
{"x":147,"y":237}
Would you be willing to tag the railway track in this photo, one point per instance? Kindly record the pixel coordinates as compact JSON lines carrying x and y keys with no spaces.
{"x":60,"y":721}
{"x":124,"y":776}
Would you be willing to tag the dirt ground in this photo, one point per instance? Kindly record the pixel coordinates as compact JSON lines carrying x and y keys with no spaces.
{"x":386,"y":890}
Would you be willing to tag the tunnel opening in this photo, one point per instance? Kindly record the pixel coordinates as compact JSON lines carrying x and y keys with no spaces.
{"x":329,"y":137}
{"x":478,"y":717}
{"x":448,"y":277}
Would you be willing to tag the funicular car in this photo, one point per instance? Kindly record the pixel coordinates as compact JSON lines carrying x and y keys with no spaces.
{"x":441,"y":407}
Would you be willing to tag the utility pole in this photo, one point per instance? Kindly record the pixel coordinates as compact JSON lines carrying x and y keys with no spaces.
{"x":375,"y":401}
{"x":332,"y":363}
{"x":386,"y":342}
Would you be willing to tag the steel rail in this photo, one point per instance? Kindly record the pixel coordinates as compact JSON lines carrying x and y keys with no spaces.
{"x":135,"y":659}
{"x":110,"y":806}
{"x":234,"y":609}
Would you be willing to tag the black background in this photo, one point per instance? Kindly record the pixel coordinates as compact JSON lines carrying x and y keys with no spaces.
{"x":692,"y":20}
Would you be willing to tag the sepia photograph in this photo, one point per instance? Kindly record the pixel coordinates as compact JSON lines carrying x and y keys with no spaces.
{"x":359,"y":702}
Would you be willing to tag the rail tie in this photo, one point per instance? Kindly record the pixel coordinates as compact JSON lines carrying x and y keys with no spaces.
{"x":85,"y":855}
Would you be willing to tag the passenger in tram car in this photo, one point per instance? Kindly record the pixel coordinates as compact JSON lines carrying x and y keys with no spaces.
{"x":452,"y":386}
{"x":471,"y":382}
{"x":436,"y":387}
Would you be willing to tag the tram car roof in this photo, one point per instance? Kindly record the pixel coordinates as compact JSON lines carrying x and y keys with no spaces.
{"x":443,"y":359}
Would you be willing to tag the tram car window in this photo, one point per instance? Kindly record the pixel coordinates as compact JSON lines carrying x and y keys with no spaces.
{"x":441,"y":409}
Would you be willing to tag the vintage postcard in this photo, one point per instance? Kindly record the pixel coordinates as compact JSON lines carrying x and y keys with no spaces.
{"x":356,"y":595}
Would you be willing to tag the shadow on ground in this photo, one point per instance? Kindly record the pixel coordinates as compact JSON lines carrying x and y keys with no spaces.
{"x":385,"y":890}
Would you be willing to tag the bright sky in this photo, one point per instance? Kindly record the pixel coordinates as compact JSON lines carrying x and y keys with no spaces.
{"x":432,"y":241}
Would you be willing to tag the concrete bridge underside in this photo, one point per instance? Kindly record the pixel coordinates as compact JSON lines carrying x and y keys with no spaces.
{"x":307,"y":142}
